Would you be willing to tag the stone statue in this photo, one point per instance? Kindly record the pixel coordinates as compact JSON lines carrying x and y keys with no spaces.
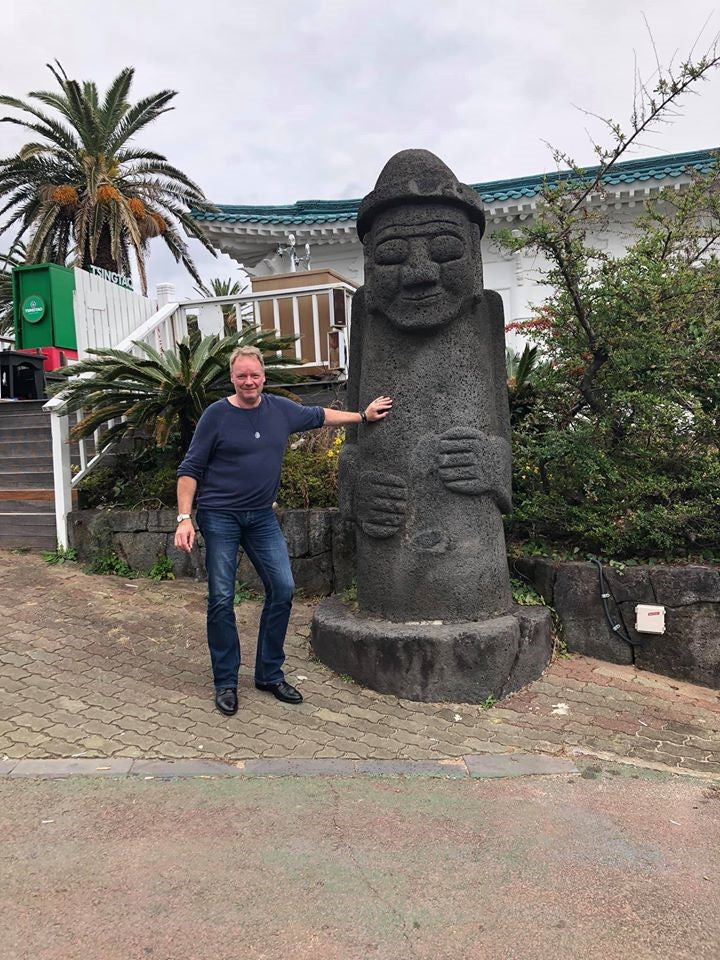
{"x":428,"y":485}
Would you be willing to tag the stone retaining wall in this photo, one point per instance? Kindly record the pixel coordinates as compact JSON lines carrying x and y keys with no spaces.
{"x":690,"y":647}
{"x":321,"y":545}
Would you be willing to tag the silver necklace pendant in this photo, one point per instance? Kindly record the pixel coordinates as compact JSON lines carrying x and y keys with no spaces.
{"x":257,"y":435}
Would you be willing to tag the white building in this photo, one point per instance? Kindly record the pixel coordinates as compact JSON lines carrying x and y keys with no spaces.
{"x":258,"y":236}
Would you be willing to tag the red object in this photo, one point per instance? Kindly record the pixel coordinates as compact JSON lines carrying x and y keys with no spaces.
{"x":54,"y":356}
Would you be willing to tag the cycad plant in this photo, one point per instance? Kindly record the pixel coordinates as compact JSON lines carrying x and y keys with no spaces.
{"x":162,"y":394}
{"x":81,"y":187}
{"x":519,"y":366}
{"x":520,"y":369}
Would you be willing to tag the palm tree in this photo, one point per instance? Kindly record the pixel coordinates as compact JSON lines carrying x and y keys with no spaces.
{"x":15,"y":256}
{"x":82,"y":187}
{"x":162,"y":393}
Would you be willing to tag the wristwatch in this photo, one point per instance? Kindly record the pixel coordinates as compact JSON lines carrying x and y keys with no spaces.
{"x":183,"y":516}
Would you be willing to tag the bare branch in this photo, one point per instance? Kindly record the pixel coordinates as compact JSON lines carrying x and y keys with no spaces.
{"x":697,"y":39}
{"x":652,"y":41}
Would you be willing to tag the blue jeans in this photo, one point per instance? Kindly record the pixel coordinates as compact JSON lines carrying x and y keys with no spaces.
{"x":260,"y":536}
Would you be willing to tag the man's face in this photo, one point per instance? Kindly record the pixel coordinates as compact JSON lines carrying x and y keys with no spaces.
{"x":423,"y":265}
{"x":248,"y":378}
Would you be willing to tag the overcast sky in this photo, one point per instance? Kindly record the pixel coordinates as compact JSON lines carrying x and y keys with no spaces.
{"x":282,"y":100}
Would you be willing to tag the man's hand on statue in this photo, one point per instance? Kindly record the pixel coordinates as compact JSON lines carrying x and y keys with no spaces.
{"x":378,"y":409}
{"x":381,"y":503}
{"x":473,"y":463}
{"x":185,"y":536}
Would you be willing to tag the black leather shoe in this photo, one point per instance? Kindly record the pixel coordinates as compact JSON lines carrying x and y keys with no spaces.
{"x":226,"y":701}
{"x":283,"y":691}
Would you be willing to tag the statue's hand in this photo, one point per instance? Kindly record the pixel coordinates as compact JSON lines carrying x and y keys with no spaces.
{"x":472,"y":462}
{"x":381,"y":500}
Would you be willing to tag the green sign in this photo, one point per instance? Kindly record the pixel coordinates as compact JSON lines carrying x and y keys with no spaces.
{"x":33,"y":308}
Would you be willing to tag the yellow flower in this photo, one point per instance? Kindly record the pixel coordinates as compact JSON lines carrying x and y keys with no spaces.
{"x":331,"y":453}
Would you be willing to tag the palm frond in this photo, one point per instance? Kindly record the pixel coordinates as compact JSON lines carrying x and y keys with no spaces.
{"x":138,"y":116}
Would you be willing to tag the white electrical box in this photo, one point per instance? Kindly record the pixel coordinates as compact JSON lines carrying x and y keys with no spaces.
{"x":649,"y":618}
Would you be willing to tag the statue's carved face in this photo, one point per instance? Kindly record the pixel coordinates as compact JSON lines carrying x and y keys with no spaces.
{"x":423,"y":265}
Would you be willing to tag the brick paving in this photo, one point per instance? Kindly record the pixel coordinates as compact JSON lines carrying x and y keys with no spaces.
{"x":103,"y":667}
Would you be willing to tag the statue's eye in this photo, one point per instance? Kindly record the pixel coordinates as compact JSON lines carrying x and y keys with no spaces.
{"x":446,"y":247}
{"x":391,"y":251}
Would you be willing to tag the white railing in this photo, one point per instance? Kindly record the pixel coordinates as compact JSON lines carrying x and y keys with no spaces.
{"x":319,"y":316}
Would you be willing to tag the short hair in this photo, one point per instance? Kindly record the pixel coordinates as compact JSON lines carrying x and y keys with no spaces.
{"x":246,"y":352}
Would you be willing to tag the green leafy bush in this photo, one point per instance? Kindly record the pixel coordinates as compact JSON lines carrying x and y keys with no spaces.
{"x":143,"y":477}
{"x":616,"y":448}
{"x":309,"y":474}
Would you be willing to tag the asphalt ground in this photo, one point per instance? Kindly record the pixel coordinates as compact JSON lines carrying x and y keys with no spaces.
{"x":606,"y":864}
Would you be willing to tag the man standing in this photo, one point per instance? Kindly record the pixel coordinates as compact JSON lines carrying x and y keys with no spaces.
{"x":235,"y":458}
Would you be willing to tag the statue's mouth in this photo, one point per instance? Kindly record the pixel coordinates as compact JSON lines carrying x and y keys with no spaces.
{"x":424,"y":295}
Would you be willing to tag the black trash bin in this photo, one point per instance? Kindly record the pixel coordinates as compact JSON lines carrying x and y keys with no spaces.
{"x":21,"y":376}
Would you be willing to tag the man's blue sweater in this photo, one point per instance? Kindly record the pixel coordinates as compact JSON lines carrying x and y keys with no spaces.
{"x":235,"y":468}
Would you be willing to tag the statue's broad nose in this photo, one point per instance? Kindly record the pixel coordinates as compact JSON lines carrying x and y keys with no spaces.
{"x":419,"y":268}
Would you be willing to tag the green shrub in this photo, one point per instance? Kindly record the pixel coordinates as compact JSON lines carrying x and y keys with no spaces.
{"x":615,"y":449}
{"x":524,"y":594}
{"x":143,"y":477}
{"x":309,"y":475}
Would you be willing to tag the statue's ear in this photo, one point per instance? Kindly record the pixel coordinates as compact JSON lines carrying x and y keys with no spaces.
{"x":358,"y":302}
{"x":367,"y":244}
{"x":475,"y":238}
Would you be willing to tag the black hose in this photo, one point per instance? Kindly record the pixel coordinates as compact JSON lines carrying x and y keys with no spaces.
{"x":605,"y":596}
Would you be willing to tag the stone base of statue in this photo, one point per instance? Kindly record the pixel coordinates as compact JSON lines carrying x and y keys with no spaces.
{"x":464,"y":662}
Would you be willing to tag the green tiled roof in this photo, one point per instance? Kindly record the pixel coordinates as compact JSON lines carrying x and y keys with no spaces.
{"x":497,"y":191}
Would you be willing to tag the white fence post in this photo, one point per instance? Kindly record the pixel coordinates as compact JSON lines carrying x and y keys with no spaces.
{"x":62,"y":476}
{"x":165,"y":294}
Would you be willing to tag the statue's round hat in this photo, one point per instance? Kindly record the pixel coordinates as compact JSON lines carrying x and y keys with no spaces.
{"x":418,"y":176}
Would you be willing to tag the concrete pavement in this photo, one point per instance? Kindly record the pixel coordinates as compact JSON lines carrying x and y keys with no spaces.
{"x":593,"y":867}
